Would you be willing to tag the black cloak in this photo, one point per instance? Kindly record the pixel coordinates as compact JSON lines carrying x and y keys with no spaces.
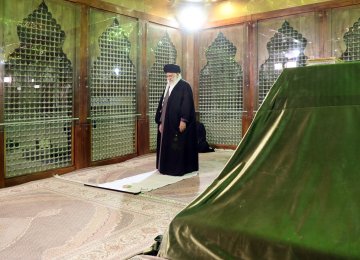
{"x":176,"y":153}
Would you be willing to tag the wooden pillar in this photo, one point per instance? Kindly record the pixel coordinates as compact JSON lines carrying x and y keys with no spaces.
{"x":143,"y":138}
{"x":190,"y":63}
{"x":250,"y":76}
{"x":2,"y":158}
{"x":2,"y":99}
{"x":323,"y":39}
{"x":190,"y":52}
{"x":2,"y":135}
{"x":82,"y":127}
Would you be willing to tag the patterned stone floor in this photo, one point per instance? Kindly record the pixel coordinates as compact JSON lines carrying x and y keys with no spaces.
{"x":59,"y":219}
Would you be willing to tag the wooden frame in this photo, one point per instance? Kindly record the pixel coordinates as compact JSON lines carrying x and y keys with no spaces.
{"x":82,"y":127}
{"x":250,"y":87}
{"x":101,"y":5}
{"x":2,"y":135}
{"x":142,"y":95}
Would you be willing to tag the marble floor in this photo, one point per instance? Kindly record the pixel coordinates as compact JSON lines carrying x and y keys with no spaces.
{"x":64,"y":219}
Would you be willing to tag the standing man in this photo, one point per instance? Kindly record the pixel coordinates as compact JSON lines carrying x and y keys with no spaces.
{"x":176,"y":152}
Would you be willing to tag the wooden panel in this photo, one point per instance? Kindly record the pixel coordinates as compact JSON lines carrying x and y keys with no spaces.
{"x":342,"y":19}
{"x":304,"y":24}
{"x":187,"y":66}
{"x":322,"y":27}
{"x":250,"y":76}
{"x":227,"y":22}
{"x":226,"y":133}
{"x":142,"y":70}
{"x":303,"y":9}
{"x":2,"y":141}
{"x":222,"y":146}
{"x":155,"y":33}
{"x":143,"y":145}
{"x":196,"y":68}
{"x":82,"y":137}
{"x":124,"y":11}
{"x":2,"y":158}
{"x":142,"y":133}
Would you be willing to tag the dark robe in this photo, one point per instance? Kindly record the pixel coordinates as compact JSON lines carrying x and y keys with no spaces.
{"x":203,"y":145}
{"x":176,"y":152}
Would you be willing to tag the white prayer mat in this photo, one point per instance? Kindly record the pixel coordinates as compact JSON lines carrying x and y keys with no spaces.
{"x":143,"y":182}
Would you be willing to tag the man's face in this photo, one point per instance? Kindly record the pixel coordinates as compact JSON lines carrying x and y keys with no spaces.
{"x":170,"y":77}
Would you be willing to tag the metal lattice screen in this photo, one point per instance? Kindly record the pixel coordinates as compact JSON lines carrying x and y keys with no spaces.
{"x":38,"y":98}
{"x":113,"y":96}
{"x":286,"y":49}
{"x":221,"y":93}
{"x":165,"y":53}
{"x":352,"y":41}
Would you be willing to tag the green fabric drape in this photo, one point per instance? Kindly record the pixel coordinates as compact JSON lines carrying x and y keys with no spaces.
{"x":292,"y":188}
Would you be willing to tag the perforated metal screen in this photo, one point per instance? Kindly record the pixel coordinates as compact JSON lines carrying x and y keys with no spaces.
{"x":286,"y":49}
{"x":221,"y":93}
{"x":352,"y":41}
{"x":38,"y":98}
{"x":113,"y":96}
{"x":165,"y":53}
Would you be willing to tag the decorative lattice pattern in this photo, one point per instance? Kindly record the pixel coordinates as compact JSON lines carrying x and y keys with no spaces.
{"x":165,"y":53}
{"x":38,"y":98}
{"x":220,"y":93}
{"x":286,"y":49}
{"x":113,"y":96}
{"x":352,"y":41}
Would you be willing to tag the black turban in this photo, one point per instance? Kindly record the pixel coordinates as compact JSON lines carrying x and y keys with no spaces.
{"x":171,"y":68}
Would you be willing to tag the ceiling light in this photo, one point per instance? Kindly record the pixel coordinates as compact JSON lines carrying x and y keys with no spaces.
{"x":191,"y":17}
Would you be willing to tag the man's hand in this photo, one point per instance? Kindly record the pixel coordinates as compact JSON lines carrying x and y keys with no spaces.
{"x":160,"y":128}
{"x":182,"y":126}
